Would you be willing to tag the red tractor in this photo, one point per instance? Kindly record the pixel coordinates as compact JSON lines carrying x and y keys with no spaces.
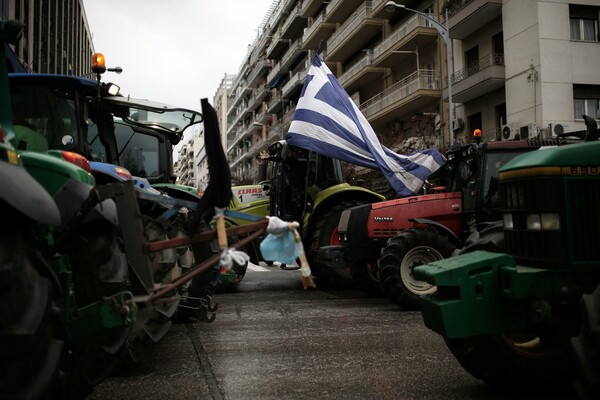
{"x":382,"y":242}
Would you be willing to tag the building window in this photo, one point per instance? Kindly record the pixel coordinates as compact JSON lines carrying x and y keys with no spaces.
{"x":584,"y":23}
{"x":585,"y":107}
{"x":586,"y":100}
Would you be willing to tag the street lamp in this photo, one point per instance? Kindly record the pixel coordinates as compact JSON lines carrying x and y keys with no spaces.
{"x":391,"y":6}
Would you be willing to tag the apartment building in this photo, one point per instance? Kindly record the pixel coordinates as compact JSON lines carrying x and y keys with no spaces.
{"x":191,"y":166}
{"x":57,"y":38}
{"x":390,"y":63}
{"x":516,"y":68}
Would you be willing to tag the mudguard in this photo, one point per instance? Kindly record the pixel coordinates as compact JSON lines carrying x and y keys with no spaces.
{"x":70,"y":198}
{"x":24,"y":193}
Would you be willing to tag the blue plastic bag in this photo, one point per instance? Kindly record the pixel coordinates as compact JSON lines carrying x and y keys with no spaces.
{"x":280,"y":248}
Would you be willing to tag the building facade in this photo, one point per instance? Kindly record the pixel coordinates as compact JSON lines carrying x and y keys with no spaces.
{"x":518,"y":68}
{"x":57,"y":38}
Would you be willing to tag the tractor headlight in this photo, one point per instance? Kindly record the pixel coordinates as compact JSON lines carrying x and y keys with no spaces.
{"x":546,"y":222}
{"x":533,"y":222}
{"x":550,"y":221}
{"x":508,"y":221}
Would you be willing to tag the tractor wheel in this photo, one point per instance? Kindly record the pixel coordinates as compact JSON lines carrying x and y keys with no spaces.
{"x":33,"y":332}
{"x":489,"y":239}
{"x":586,"y":347}
{"x":99,"y":268}
{"x":200,"y":289}
{"x":154,"y":321}
{"x":365,"y":277}
{"x":325,"y":233}
{"x":402,"y":253}
{"x":535,"y":360}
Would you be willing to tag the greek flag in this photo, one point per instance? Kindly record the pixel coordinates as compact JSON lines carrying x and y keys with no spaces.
{"x":328,"y":122}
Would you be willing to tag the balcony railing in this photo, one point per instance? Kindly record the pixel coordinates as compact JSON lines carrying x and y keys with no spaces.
{"x":353,"y":70}
{"x":480,"y":65}
{"x":341,"y":34}
{"x":293,"y":14}
{"x":418,"y":80}
{"x":396,"y":36}
{"x":456,"y":6}
{"x":296,"y":79}
{"x":314,"y":26}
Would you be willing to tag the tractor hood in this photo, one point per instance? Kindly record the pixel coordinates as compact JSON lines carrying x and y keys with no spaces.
{"x":169,"y":119}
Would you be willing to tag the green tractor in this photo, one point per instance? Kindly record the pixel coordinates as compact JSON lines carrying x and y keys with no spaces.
{"x":310,"y":188}
{"x":32,"y":327}
{"x":89,"y":270}
{"x":509,"y":304}
{"x":58,"y":336}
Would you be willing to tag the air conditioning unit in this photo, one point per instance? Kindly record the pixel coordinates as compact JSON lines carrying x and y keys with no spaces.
{"x":555,"y":129}
{"x":459,"y":124}
{"x":509,"y":131}
{"x":532,"y":131}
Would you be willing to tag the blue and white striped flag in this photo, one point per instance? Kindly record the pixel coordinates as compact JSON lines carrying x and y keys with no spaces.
{"x":328,"y":122}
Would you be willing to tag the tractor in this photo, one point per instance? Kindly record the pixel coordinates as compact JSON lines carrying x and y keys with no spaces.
{"x":382,"y":242}
{"x":310,"y":188}
{"x":76,"y":239}
{"x":518,"y":307}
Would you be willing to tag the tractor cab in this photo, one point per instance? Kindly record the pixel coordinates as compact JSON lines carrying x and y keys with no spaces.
{"x":67,"y":113}
{"x":297,"y":177}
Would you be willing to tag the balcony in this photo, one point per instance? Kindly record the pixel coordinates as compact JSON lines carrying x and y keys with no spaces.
{"x":274,"y":75}
{"x":340,"y":10}
{"x":240,"y":94}
{"x":353,"y":34}
{"x":258,"y":72}
{"x":471,"y":15}
{"x":242,"y":133}
{"x":259,"y":46}
{"x":310,"y":7}
{"x":295,"y":81}
{"x":484,"y":76}
{"x":292,"y":55}
{"x":295,"y":23}
{"x":317,"y":31}
{"x":417,"y":32}
{"x":408,"y":96}
{"x":258,"y":96}
{"x":361,"y":74}
{"x":277,"y":46}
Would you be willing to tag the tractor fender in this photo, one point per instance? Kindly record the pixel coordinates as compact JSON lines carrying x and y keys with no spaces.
{"x":335,"y":194}
{"x":71,"y":197}
{"x":183,"y":192}
{"x":441,"y":228}
{"x":22,"y":192}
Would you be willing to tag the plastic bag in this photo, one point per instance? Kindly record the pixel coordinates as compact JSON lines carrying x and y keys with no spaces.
{"x":280,"y":248}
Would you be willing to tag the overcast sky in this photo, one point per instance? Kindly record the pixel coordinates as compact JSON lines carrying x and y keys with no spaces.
{"x":174,"y":51}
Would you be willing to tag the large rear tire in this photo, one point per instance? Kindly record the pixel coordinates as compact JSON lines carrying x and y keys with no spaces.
{"x":33,"y":333}
{"x":324,"y":233}
{"x":535,"y":360}
{"x":99,"y":268}
{"x":154,"y":321}
{"x":586,"y":347}
{"x":401,"y":254}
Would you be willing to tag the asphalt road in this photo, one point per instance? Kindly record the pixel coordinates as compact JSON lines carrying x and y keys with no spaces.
{"x":273,"y":340}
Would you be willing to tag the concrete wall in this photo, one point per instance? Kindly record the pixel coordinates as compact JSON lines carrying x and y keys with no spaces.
{"x":543,"y":63}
